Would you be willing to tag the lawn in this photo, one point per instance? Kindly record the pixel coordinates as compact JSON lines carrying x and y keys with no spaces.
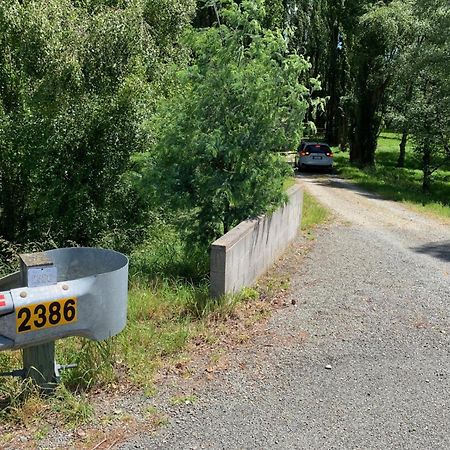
{"x":399,"y":184}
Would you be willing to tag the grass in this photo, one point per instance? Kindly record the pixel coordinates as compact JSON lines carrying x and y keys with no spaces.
{"x":183,"y":400}
{"x":156,"y":418}
{"x":163,"y":317}
{"x":23,"y":404}
{"x":313,"y":213}
{"x":288,"y":183}
{"x":399,"y":184}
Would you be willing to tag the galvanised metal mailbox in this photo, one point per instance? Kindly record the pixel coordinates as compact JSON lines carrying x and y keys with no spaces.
{"x":79,"y":292}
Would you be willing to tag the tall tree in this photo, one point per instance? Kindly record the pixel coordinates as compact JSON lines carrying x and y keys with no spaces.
{"x":428,"y":114}
{"x":243,"y":99}
{"x":76,"y":82}
{"x":336,"y":74}
{"x":379,"y":38}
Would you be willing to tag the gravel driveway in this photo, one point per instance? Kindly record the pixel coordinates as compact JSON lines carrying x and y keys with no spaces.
{"x":362,"y":361}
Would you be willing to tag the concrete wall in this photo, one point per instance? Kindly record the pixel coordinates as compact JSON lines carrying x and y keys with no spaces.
{"x":243,"y":254}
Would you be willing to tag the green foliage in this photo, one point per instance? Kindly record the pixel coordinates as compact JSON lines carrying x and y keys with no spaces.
{"x":275,"y":14}
{"x":382,"y":32}
{"x":122,"y":127}
{"x":76,"y":81}
{"x":429,"y":110}
{"x":165,"y":252}
{"x":94,"y":363}
{"x":419,"y":101}
{"x":243,"y":98}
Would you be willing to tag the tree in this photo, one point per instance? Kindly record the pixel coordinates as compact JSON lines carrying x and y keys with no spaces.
{"x":381,"y":34}
{"x":428,"y":115}
{"x":77,"y":80}
{"x":243,"y":98}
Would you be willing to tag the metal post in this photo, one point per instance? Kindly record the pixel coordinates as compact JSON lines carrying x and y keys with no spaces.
{"x":39,"y":360}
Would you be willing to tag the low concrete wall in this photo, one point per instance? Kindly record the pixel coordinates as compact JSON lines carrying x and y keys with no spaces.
{"x":243,"y":254}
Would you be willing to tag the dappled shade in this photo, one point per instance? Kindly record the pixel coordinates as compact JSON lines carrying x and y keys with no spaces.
{"x":439,"y":250}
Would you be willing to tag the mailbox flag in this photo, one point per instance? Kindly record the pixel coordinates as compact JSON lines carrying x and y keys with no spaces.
{"x":2,"y":300}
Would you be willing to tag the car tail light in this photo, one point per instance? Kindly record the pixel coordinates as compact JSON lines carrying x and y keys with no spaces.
{"x":304,"y":153}
{"x":330,"y":154}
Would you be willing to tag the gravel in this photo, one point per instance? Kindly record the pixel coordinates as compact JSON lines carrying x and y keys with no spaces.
{"x":362,"y":360}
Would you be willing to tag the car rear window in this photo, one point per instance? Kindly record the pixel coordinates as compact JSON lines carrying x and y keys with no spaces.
{"x":318,"y":148}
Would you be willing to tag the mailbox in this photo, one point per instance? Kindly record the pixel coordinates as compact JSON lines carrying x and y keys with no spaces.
{"x":89,"y":299}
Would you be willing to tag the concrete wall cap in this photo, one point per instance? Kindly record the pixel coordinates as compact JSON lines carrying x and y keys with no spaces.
{"x":239,"y":232}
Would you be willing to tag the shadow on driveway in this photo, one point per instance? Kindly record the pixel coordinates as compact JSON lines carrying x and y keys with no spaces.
{"x":439,"y":250}
{"x":335,"y":181}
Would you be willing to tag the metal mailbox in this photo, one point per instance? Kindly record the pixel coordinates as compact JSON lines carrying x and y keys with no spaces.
{"x":89,"y":299}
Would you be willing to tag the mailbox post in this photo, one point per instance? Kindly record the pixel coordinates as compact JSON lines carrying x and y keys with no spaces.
{"x":60,"y":293}
{"x":39,"y":363}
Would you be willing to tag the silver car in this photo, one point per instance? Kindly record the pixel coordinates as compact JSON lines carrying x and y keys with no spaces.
{"x":314,"y":154}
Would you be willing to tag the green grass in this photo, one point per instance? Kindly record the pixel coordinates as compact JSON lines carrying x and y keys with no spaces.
{"x":288,"y":183}
{"x":313,"y":213}
{"x":399,"y":184}
{"x":163,"y":316}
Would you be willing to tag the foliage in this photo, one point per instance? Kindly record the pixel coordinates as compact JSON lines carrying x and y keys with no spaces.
{"x":419,"y":99}
{"x":243,"y":98}
{"x":381,"y":34}
{"x":122,"y":127}
{"x":76,"y":80}
{"x":313,"y":213}
{"x":428,"y":113}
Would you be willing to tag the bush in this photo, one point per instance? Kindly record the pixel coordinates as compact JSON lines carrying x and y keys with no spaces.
{"x":243,"y":98}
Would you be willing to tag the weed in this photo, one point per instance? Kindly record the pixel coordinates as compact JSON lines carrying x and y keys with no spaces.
{"x":183,"y":400}
{"x":248,"y":294}
{"x":313,"y":214}
{"x":260,"y":315}
{"x":216,"y":356}
{"x":274,"y":283}
{"x":24,"y":404}
{"x":157,"y":419}
{"x":94,"y":362}
{"x":150,"y":390}
{"x":18,"y":400}
{"x":243,"y":338}
{"x":41,"y":433}
{"x":5,"y":438}
{"x":32,"y":406}
{"x":74,"y":409}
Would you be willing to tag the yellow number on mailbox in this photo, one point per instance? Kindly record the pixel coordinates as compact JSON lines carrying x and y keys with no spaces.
{"x":45,"y":315}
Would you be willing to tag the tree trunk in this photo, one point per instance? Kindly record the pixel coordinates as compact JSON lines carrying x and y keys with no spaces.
{"x":364,"y":138}
{"x":401,"y":156}
{"x":426,"y":169}
{"x":332,"y":116}
{"x":367,"y":119}
{"x":343,"y":133}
